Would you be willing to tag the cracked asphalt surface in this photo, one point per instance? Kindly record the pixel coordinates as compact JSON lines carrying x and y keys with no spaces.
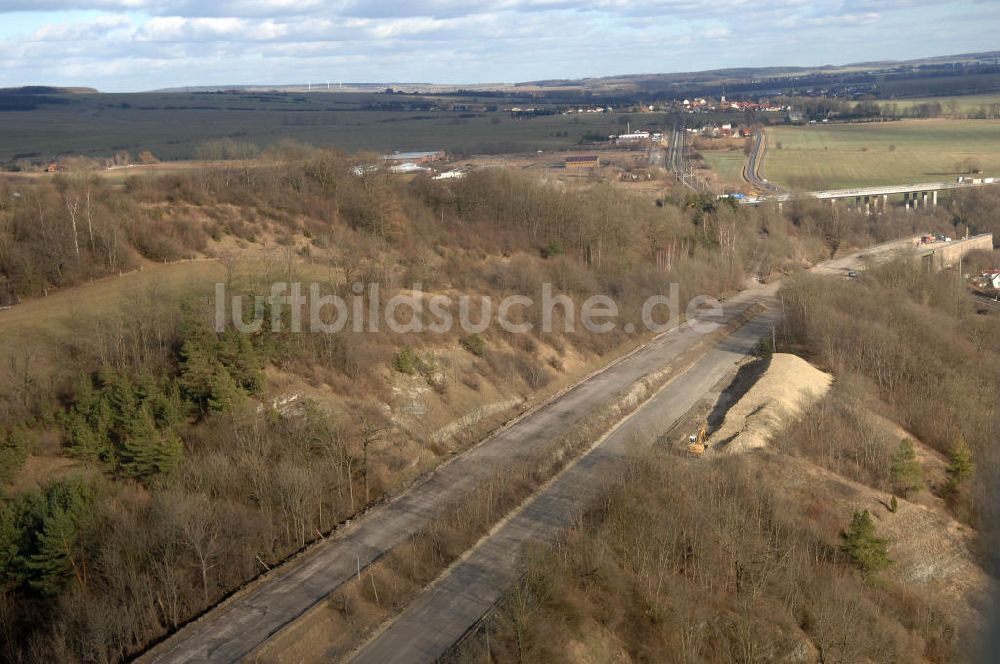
{"x":231,"y":631}
{"x":234,"y":629}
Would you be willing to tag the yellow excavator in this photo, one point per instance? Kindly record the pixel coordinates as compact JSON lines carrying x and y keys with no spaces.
{"x":696,"y":442}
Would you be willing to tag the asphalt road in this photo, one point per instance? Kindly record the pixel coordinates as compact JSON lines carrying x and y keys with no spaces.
{"x":234,"y":629}
{"x":441,"y":615}
{"x":751,"y":170}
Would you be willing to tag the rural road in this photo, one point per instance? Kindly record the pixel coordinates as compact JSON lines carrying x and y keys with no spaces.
{"x":751,"y":170}
{"x":232,"y":630}
{"x":441,"y":615}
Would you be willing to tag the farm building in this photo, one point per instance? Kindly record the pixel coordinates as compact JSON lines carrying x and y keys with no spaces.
{"x":408,"y":167}
{"x":414,"y":157}
{"x":583,"y":162}
{"x":633,"y":138}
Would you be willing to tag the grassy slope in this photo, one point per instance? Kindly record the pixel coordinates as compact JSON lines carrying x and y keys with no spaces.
{"x":859,"y":154}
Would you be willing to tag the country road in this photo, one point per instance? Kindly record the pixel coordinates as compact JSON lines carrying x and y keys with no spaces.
{"x":233,"y":630}
{"x":751,"y":170}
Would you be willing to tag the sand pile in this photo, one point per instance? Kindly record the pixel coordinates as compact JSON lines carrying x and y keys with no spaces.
{"x":788,"y":387}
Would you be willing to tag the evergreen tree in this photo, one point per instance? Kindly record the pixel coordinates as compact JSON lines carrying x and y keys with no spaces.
{"x":14,"y":449}
{"x":117,"y":389}
{"x":163,"y":400}
{"x":11,"y":538}
{"x":214,"y":373}
{"x":57,"y":551}
{"x":907,"y":473}
{"x":866,"y":550}
{"x":240,"y":359}
{"x":87,"y":423}
{"x":223,"y":392}
{"x":960,"y":465}
{"x":146,"y":450}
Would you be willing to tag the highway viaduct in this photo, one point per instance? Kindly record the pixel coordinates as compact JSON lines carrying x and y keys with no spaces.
{"x":876,"y":199}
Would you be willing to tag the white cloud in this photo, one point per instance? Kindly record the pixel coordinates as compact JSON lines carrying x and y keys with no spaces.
{"x":142,"y":44}
{"x":83,"y":30}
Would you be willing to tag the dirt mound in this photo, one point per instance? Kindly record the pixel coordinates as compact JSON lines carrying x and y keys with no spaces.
{"x":784,"y":390}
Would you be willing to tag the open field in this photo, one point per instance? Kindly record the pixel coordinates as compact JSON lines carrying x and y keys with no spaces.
{"x":963,"y":104}
{"x":726,"y":164}
{"x":173,"y":125}
{"x":835,"y":156}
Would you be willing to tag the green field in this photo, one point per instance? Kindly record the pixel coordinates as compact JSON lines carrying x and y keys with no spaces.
{"x":846,"y":155}
{"x":727,"y":164}
{"x":171,"y":125}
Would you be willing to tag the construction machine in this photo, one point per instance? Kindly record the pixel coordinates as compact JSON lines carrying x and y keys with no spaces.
{"x":696,"y":441}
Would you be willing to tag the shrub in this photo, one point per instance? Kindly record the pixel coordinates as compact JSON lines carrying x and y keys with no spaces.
{"x":551,"y":249}
{"x":406,"y":361}
{"x":474,"y":344}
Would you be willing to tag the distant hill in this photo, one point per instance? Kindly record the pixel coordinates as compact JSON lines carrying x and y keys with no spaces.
{"x":47,"y":90}
{"x":740,"y":75}
{"x":734,"y":79}
{"x":30,"y":97}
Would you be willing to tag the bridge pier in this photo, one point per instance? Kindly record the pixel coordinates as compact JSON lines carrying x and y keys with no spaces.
{"x":925,"y":199}
{"x":885,"y":203}
{"x":934,"y":194}
{"x":906,"y":201}
{"x":868,"y":207}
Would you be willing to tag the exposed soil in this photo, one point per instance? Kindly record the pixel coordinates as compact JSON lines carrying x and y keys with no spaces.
{"x":783,"y":391}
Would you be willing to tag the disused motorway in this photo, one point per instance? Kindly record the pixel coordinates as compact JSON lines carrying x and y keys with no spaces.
{"x":234,"y":629}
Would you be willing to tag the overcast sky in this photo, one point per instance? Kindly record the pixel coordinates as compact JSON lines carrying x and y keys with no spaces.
{"x":128,"y":45}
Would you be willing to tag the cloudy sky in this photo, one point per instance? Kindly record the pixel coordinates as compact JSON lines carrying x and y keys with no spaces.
{"x":127,"y":45}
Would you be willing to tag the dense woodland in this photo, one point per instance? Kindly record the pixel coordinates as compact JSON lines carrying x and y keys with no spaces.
{"x":183,"y":488}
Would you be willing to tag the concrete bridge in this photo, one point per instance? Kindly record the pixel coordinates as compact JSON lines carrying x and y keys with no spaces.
{"x":876,"y":199}
{"x":942,"y":255}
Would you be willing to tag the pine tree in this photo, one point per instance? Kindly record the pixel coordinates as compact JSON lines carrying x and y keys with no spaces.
{"x":240,"y":359}
{"x":57,"y":555}
{"x":960,"y":466}
{"x":148,"y":451}
{"x":52,"y":564}
{"x":866,"y":550}
{"x":907,"y":473}
{"x":224,"y":393}
{"x":14,"y":449}
{"x":88,"y":421}
{"x":117,"y":390}
{"x":162,"y":399}
{"x":198,"y":369}
{"x":11,"y":537}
